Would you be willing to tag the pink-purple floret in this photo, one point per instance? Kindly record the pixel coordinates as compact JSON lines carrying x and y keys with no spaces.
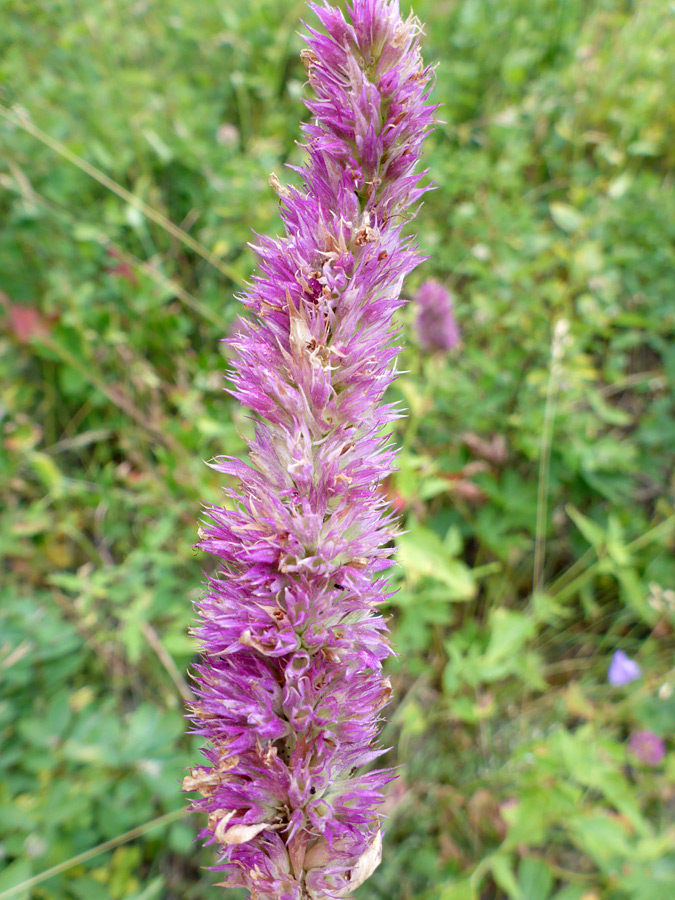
{"x":290,"y":686}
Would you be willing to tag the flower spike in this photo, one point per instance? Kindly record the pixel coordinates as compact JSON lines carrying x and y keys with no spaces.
{"x":290,"y":685}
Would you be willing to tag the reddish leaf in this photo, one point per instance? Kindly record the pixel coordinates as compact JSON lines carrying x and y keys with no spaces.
{"x":122,"y":269}
{"x":493,"y":451}
{"x":27,"y":322}
{"x":466,"y":490}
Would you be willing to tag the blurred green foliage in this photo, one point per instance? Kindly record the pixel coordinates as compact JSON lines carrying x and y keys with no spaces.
{"x":536,"y":480}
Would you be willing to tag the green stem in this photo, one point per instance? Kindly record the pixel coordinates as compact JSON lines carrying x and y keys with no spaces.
{"x":137,"y":832}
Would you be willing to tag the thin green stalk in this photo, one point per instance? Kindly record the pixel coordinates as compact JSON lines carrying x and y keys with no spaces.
{"x":642,"y":541}
{"x":563,"y":588}
{"x":29,"y":194}
{"x":107,"y":182}
{"x":115,"y":396}
{"x":137,"y":832}
{"x":559,"y":334}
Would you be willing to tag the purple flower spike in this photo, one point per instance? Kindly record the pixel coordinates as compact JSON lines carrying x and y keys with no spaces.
{"x":622,"y":670}
{"x":437,"y":328}
{"x":648,"y":747}
{"x":290,"y":685}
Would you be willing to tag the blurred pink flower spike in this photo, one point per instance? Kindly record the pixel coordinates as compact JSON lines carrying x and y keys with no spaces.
{"x":648,"y":747}
{"x":437,"y":328}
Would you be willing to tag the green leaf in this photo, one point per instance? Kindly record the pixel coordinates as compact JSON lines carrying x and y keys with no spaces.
{"x":501,"y":867}
{"x":422,"y":553}
{"x":594,"y":533}
{"x":571,"y":892}
{"x":566,"y":217}
{"x":509,"y":632}
{"x":46,"y":470}
{"x":14,"y":874}
{"x":459,"y":890}
{"x":603,"y":837}
{"x":534,"y":878}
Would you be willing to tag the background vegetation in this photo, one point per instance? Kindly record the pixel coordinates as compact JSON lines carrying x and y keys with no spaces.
{"x":536,"y":480}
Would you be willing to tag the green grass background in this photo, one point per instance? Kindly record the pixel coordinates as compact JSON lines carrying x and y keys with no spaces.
{"x":137,"y":139}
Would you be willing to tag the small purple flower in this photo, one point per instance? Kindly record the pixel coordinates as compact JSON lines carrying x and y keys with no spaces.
{"x":622,"y":670}
{"x":648,"y":747}
{"x":437,"y":327}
